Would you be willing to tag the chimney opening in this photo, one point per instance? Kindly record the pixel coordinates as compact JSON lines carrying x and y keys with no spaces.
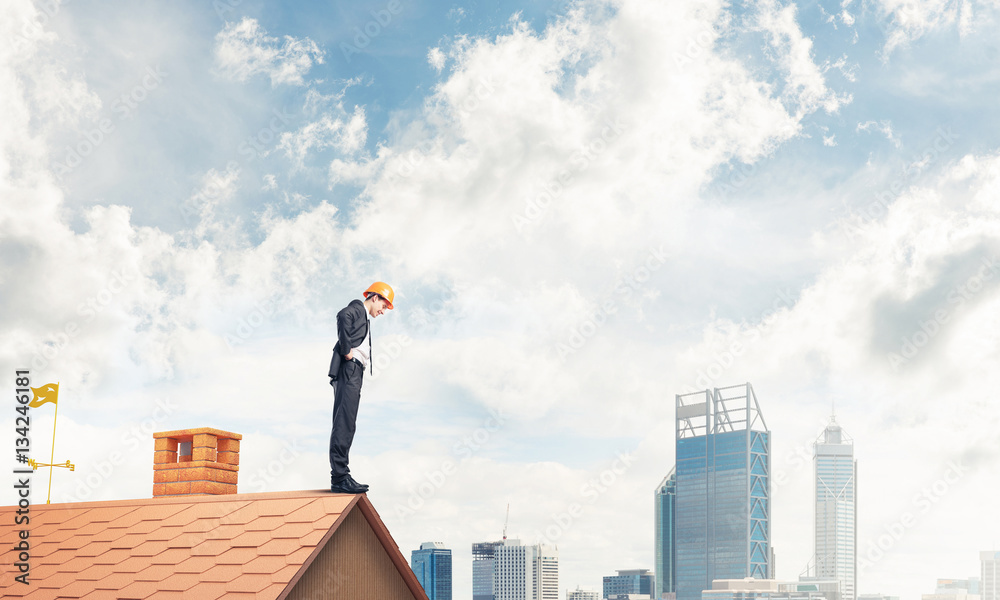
{"x":184,"y":451}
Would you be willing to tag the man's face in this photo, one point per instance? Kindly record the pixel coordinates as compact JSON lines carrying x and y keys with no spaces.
{"x":378,"y":306}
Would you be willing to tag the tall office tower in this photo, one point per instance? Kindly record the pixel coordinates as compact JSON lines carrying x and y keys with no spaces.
{"x":989,"y":584}
{"x":432,"y":566}
{"x":632,"y":581}
{"x":665,"y":551}
{"x":525,"y":572}
{"x":722,"y":515}
{"x":546,"y":572}
{"x":836,"y":509}
{"x":483,"y":561}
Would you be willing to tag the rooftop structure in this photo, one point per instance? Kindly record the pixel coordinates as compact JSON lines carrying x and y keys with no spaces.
{"x":205,"y":545}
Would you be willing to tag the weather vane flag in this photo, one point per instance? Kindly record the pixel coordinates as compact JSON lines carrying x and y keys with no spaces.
{"x":43,"y":395}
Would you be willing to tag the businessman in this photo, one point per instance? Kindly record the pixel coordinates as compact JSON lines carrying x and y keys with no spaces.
{"x":351,"y":356}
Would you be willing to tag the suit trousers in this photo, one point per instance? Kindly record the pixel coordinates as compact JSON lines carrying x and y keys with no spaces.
{"x":346,"y":397}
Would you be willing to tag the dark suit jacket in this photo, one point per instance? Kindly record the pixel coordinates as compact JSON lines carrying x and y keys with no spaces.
{"x":352,"y":327}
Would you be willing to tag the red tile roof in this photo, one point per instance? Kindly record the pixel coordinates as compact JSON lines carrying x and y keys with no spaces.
{"x":205,"y":547}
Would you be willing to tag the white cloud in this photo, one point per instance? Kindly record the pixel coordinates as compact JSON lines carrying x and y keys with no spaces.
{"x":436,"y":58}
{"x":243,"y":50}
{"x":346,"y":133}
{"x":576,"y":110}
{"x":884,"y":127}
{"x":847,"y":70}
{"x":909,"y":20}
{"x":805,"y":86}
{"x":270,"y":182}
{"x":352,"y":172}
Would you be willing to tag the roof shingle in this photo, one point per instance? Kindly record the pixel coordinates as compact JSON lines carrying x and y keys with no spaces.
{"x":206,"y":547}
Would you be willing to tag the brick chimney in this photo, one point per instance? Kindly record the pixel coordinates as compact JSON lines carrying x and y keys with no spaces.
{"x":195,"y":462}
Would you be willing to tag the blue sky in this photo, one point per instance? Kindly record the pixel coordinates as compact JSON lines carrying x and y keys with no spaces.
{"x":585,"y":209}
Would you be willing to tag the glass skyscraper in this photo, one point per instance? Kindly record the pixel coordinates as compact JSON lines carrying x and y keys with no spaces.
{"x":483,"y":565}
{"x":836,"y":509}
{"x":432,"y":566}
{"x":630,"y":581}
{"x":665,"y":551}
{"x":722,"y":516}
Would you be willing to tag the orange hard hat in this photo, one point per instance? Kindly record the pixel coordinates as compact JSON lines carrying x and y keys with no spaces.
{"x":382,"y":289}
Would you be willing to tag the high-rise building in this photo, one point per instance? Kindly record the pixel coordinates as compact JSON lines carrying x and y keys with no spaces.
{"x":722,"y":515}
{"x":581,"y":593}
{"x":989,"y":575}
{"x":665,"y":552}
{"x":525,"y":572}
{"x":546,"y":572}
{"x":836,"y":555}
{"x":483,"y":561}
{"x":432,"y":566}
{"x":631,"y":581}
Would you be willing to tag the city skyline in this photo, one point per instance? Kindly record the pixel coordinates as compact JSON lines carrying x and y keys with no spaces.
{"x":585,"y":208}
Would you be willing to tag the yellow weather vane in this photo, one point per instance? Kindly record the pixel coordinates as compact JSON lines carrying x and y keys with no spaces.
{"x":43,"y":395}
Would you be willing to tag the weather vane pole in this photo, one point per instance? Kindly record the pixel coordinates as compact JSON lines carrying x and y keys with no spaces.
{"x":44,"y":394}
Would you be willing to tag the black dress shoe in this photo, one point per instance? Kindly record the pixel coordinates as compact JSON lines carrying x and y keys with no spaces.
{"x":347,"y":485}
{"x":351,"y":480}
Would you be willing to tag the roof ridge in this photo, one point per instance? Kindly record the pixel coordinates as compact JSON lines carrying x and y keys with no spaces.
{"x":177,"y":499}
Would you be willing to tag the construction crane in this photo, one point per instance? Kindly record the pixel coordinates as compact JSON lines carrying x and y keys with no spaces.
{"x":505,"y":521}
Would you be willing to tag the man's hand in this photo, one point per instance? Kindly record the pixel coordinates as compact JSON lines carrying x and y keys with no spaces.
{"x":350,"y":355}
